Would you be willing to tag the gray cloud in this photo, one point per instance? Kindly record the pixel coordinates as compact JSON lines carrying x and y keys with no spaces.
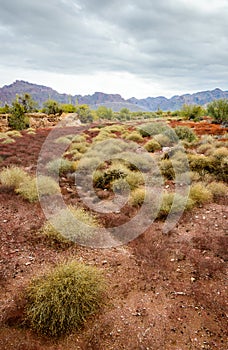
{"x":177,"y":41}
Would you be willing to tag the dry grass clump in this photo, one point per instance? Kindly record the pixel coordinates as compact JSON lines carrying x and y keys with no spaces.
{"x":163,"y":140}
{"x":71,"y":224}
{"x":60,"y":166}
{"x":13,"y":133}
{"x":13,"y":176}
{"x":134,"y":136}
{"x":137,"y":197}
{"x":200,"y":194}
{"x":32,"y":188}
{"x":185,"y":133}
{"x":152,"y":146}
{"x":61,"y":300}
{"x":218,"y":189}
{"x":177,"y":205}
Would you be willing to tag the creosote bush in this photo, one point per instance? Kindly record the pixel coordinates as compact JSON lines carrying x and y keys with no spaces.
{"x":61,"y":300}
{"x":13,"y":176}
{"x":185,"y":133}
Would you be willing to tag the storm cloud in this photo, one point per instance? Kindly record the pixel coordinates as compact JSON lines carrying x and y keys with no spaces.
{"x":177,"y":42}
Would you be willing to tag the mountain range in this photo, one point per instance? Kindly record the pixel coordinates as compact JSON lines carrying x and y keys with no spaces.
{"x":42,"y":93}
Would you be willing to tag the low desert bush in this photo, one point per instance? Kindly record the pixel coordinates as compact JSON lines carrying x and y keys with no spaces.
{"x":12,"y":176}
{"x":32,"y":188}
{"x":167,"y":169}
{"x":120,"y":186}
{"x":152,"y":146}
{"x":134,"y":136}
{"x":61,"y":300}
{"x":81,"y":147}
{"x":151,"y":129}
{"x":200,"y":194}
{"x":13,"y":133}
{"x":71,"y":224}
{"x":88,"y":163}
{"x":8,"y":140}
{"x":142,"y":162}
{"x":220,"y":153}
{"x":176,"y":206}
{"x":218,"y":189}
{"x":79,"y":138}
{"x":114,"y":128}
{"x":134,"y":179}
{"x":199,"y":163}
{"x":205,"y":148}
{"x":185,"y":133}
{"x":163,"y":140}
{"x":63,"y":139}
{"x":60,"y":166}
{"x":137,"y":197}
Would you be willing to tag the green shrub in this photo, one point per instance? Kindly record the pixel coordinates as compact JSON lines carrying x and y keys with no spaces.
{"x":199,"y":163}
{"x":218,"y":109}
{"x":13,"y":176}
{"x":200,"y":194}
{"x":104,"y":179}
{"x":185,"y":133}
{"x":69,"y":225}
{"x":28,"y":188}
{"x":218,"y":189}
{"x":167,"y":169}
{"x":152,"y":146}
{"x":17,"y":119}
{"x":60,"y":166}
{"x":61,"y":300}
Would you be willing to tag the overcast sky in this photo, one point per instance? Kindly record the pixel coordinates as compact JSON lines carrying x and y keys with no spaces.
{"x":136,"y":48}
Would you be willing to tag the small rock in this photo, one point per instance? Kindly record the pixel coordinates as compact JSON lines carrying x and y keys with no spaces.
{"x":193,"y":279}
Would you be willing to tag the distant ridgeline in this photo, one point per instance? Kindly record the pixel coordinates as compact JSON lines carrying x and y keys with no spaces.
{"x":114,"y":101}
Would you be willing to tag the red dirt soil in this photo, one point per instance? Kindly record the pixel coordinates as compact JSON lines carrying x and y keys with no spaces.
{"x":166,"y":291}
